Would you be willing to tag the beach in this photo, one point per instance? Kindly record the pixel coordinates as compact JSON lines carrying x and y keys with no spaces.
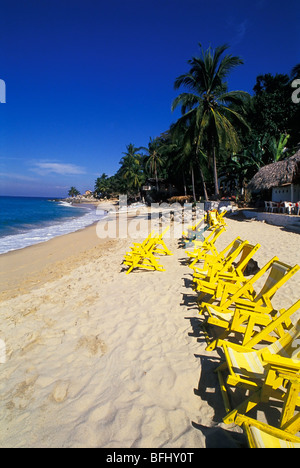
{"x":98,"y":358}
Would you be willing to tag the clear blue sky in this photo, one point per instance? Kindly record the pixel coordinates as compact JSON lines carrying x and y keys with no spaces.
{"x":84,"y":78}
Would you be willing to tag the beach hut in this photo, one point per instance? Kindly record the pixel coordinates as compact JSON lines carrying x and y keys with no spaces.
{"x":281,"y":178}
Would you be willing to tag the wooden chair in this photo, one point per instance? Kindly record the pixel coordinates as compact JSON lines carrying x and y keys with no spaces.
{"x":205,"y":247}
{"x":225,"y":271}
{"x":261,"y":435}
{"x":233,"y":310}
{"x":271,"y":372}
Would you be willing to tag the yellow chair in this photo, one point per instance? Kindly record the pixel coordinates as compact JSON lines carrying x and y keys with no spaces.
{"x":271,"y":372}
{"x":261,"y":435}
{"x":156,"y":241}
{"x":245,"y":299}
{"x":159,"y":244}
{"x":220,"y":258}
{"x":226,"y":271}
{"x":143,"y":244}
{"x":260,"y":328}
{"x":203,"y":248}
{"x":214,"y":218}
{"x":142,"y":254}
{"x":143,"y":257}
{"x":192,"y":229}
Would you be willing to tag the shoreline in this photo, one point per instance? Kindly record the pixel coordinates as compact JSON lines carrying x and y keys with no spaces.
{"x":21,"y":270}
{"x":51,"y":228}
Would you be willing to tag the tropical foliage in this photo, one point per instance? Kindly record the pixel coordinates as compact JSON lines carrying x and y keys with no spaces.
{"x":73,"y":192}
{"x":221,"y":138}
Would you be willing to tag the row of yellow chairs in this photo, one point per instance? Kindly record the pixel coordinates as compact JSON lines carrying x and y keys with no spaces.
{"x":195,"y":234}
{"x":144,"y":254}
{"x":266,"y":360}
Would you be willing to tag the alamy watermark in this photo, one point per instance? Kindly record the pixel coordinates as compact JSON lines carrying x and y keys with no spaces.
{"x":296,"y":93}
{"x":134,"y":221}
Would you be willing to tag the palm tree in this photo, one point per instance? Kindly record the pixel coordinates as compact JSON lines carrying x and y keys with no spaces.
{"x":102,"y":184}
{"x":187,"y":152}
{"x":295,"y":72}
{"x":73,"y":192}
{"x":210,"y":107}
{"x":131,"y":168}
{"x":155,"y":159}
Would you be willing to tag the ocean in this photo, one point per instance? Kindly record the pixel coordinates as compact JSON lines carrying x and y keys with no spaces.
{"x":25,"y":221}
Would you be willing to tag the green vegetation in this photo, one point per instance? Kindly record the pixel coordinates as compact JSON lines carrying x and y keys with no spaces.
{"x":73,"y":192}
{"x":221,"y":139}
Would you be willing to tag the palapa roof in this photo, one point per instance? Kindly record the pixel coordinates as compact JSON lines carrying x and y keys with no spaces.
{"x":277,"y":174}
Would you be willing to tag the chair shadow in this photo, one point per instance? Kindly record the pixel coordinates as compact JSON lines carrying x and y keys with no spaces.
{"x":217,"y":437}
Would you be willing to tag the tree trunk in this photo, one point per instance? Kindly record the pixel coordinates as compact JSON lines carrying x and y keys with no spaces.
{"x":203,"y":183}
{"x":193,"y":184}
{"x":200,"y":169}
{"x":156,"y":178}
{"x":217,"y":193}
{"x":184,"y":184}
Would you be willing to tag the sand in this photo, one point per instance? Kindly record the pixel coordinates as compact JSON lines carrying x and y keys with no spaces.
{"x":98,"y":358}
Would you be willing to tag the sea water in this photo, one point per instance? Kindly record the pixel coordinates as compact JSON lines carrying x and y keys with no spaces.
{"x":25,"y":221}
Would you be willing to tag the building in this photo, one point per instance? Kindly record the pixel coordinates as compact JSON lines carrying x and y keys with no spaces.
{"x":280,"y":179}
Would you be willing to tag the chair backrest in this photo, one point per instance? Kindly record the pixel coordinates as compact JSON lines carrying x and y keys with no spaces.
{"x":213,"y":235}
{"x":212,"y":218}
{"x":279,"y":273}
{"x":231,"y":252}
{"x":247,"y":253}
{"x":231,"y":248}
{"x":289,"y":344}
{"x":236,"y":247}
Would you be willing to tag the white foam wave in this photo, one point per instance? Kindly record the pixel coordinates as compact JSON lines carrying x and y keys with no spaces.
{"x":43,"y":234}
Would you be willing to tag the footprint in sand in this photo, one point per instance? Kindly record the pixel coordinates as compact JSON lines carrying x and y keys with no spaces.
{"x":60,"y":391}
{"x":93,"y":344}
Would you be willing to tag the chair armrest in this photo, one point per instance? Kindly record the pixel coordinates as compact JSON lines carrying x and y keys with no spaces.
{"x":280,"y":362}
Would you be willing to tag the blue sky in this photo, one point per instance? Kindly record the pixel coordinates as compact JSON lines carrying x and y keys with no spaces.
{"x":84,"y":78}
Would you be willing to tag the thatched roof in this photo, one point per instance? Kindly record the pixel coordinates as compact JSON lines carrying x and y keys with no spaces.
{"x":277,"y":174}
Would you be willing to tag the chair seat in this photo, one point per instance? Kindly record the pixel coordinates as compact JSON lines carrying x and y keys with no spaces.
{"x":247,"y":364}
{"x":262,"y":439}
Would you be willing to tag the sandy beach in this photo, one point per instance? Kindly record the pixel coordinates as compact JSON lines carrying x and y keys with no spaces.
{"x":98,"y":358}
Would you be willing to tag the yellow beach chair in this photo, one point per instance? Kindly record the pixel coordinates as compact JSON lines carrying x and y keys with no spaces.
{"x":192,"y":229}
{"x":205,"y":247}
{"x":261,"y":435}
{"x":260,"y":328}
{"x":214,"y":218}
{"x":222,"y":264}
{"x":245,"y":298}
{"x":159,"y":244}
{"x":215,"y":281}
{"x":271,"y":372}
{"x":143,"y":257}
{"x":225,"y":256}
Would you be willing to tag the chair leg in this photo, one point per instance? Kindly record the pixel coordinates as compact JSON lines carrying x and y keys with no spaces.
{"x":290,"y":403}
{"x":244,"y":407}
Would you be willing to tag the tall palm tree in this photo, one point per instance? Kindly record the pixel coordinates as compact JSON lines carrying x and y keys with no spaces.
{"x":209,"y":107}
{"x":131,"y":168}
{"x":155,"y":159}
{"x":102,"y":184}
{"x":73,"y":192}
{"x":188,"y":154}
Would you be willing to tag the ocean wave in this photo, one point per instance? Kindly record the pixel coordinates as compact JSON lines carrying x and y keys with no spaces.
{"x":45,"y":233}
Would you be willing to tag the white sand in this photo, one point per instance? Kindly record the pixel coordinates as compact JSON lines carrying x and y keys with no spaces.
{"x":98,"y":358}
